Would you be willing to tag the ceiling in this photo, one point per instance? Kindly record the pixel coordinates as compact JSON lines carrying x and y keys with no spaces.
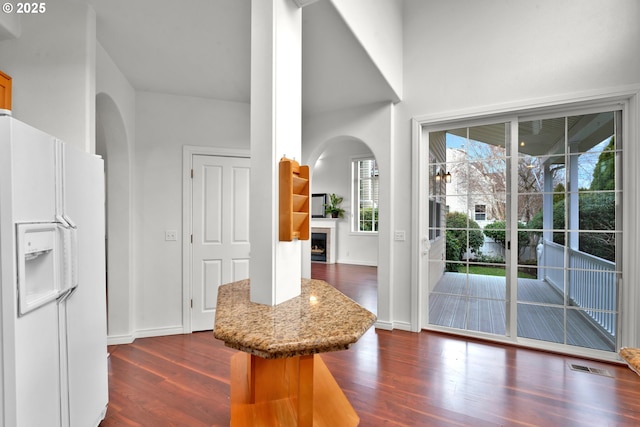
{"x":202,"y":48}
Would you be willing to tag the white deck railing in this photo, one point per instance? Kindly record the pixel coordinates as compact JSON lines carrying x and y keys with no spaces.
{"x":591,"y":282}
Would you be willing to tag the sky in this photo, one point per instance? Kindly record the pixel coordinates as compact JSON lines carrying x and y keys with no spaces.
{"x":586,"y":163}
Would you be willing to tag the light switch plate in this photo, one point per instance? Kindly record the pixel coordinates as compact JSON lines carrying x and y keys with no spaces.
{"x":399,"y":236}
{"x":170,"y":235}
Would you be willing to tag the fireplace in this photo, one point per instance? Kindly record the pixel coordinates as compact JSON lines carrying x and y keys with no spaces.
{"x":319,"y":246}
{"x":323,"y":240}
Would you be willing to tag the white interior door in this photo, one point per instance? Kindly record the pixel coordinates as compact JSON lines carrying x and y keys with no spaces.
{"x":220,"y":231}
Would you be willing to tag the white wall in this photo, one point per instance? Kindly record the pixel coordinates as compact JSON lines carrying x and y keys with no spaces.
{"x":378,"y":27}
{"x":480,"y":56}
{"x":111,"y":81}
{"x":332,"y":174}
{"x":373,"y":125}
{"x":467,"y":53}
{"x":9,"y":26}
{"x":52,"y":64}
{"x":164,"y":123}
{"x":115,"y":128}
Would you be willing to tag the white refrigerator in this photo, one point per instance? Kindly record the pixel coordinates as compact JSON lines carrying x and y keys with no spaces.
{"x":53,"y":346}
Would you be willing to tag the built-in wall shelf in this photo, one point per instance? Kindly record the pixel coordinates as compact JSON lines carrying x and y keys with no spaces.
{"x":294,"y":201}
{"x":5,"y":91}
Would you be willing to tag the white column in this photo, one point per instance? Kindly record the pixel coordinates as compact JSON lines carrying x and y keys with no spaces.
{"x":547,"y":203}
{"x":276,"y":97}
{"x":573,"y":199}
{"x":547,"y":218}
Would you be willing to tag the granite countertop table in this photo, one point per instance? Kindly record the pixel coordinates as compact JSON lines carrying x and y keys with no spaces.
{"x":321,"y":319}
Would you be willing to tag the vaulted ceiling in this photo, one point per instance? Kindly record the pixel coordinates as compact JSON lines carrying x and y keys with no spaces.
{"x":202,"y":48}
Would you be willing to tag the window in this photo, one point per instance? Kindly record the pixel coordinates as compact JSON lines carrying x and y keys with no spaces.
{"x":481,"y":212}
{"x":435,"y":219}
{"x":365,"y":190}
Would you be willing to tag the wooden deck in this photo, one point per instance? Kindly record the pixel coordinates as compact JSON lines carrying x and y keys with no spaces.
{"x":478,"y":303}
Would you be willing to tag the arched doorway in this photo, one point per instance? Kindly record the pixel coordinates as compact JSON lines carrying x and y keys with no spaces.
{"x":113,"y":145}
{"x":347,"y":168}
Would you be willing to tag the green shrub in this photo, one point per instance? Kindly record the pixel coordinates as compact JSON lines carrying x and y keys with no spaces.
{"x":462,"y":234}
{"x":368,"y":219}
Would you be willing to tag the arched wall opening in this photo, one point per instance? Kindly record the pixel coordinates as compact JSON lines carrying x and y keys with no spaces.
{"x":113,"y":145}
{"x":331,"y":166}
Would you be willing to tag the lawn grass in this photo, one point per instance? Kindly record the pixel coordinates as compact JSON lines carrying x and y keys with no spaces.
{"x":495,"y":271}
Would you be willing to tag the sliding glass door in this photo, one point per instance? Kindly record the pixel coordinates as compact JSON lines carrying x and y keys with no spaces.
{"x":524,"y":229}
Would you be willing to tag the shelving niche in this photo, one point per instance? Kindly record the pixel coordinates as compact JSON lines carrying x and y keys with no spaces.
{"x":294,"y":200}
{"x":5,"y":91}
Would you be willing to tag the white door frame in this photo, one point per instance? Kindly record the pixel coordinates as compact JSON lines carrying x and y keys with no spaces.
{"x":628,"y":99}
{"x":188,"y":151}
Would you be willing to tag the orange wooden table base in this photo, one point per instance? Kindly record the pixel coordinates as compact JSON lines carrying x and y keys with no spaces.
{"x":278,"y":378}
{"x":294,"y":391}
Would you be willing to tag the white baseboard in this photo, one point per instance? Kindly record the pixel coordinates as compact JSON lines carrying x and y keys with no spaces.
{"x":357,"y":262}
{"x":387,"y":326}
{"x":145,"y":333}
{"x":120,"y":339}
{"x":159,"y":332}
{"x":390,"y":326}
{"x":403,"y":326}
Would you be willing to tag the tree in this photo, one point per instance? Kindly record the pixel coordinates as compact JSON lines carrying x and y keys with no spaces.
{"x":368,"y":219}
{"x":497,"y":231}
{"x":480,"y":172}
{"x":604,"y":176}
{"x":597,"y":207}
{"x":529,"y":172}
{"x":462,"y":234}
{"x":558,"y":215}
{"x":597,"y":212}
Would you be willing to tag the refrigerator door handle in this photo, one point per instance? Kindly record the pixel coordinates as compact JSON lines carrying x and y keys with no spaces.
{"x":74,"y":257}
{"x":66,"y":294}
{"x":62,"y":297}
{"x":70,"y":222}
{"x":69,"y":253}
{"x":62,"y":221}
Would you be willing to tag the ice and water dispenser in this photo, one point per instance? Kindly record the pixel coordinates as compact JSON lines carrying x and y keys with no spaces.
{"x":41,"y":262}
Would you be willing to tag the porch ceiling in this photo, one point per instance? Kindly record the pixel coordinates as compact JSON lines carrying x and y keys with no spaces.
{"x":546,"y":137}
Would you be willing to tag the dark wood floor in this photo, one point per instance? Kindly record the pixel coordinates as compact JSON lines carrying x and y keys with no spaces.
{"x":392,"y":378}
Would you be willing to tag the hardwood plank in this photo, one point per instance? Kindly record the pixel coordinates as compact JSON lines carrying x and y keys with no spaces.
{"x":391,"y":378}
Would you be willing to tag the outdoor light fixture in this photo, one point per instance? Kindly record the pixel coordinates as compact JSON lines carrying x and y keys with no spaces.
{"x":441,"y":175}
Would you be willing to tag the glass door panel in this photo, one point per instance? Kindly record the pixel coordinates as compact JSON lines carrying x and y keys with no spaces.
{"x":468,"y":174}
{"x":568,"y":230}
